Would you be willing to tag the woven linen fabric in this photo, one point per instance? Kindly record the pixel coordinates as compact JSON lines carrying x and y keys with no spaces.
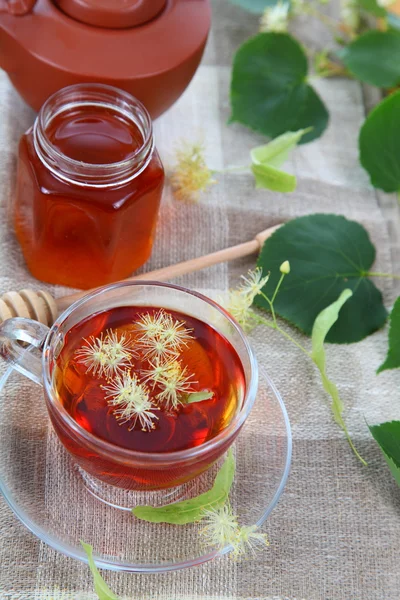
{"x":335,"y":533}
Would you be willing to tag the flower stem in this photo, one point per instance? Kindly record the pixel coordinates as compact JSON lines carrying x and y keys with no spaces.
{"x":342,"y":424}
{"x":331,"y":24}
{"x":274,"y":325}
{"x":291,"y":339}
{"x":277,"y":287}
{"x":271,"y":305}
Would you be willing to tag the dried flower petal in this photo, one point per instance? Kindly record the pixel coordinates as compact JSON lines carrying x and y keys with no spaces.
{"x":249,"y":539}
{"x":130,"y":402}
{"x":162,"y":337}
{"x":238,"y":305}
{"x":191,"y":176}
{"x":106,"y":356}
{"x":254,"y":282}
{"x":221,"y":527}
{"x":152,"y":326}
{"x":159,"y":369}
{"x":176,"y":382}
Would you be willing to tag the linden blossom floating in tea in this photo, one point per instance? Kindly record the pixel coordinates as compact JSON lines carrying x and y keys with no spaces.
{"x":149,"y":379}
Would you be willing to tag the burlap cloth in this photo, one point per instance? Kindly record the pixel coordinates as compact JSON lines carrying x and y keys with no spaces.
{"x":335,"y":534}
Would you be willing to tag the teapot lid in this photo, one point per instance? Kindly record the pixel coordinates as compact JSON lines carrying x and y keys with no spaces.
{"x":113,"y":14}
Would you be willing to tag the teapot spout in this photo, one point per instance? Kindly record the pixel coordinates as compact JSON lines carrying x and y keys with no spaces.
{"x":17,"y":7}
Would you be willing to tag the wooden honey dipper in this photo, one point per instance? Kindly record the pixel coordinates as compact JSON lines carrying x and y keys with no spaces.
{"x":42,"y":307}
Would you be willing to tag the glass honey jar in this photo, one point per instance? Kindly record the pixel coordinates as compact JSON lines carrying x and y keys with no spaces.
{"x":89,"y":185}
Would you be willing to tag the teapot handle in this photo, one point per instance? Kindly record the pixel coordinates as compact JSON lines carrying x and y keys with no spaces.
{"x":17,"y":7}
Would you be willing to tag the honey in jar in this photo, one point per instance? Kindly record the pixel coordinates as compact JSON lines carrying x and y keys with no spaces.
{"x":89,"y":186}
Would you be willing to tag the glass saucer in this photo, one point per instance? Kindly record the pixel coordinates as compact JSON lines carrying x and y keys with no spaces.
{"x":47,"y":493}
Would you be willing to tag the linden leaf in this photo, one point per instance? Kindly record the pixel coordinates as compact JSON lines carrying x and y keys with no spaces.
{"x":327,"y":254}
{"x":256,"y":7}
{"x":374,"y":58}
{"x":189,"y":511}
{"x":388,"y":437}
{"x":393,"y":356}
{"x":100,"y":586}
{"x":379,"y":144}
{"x":269,"y":92}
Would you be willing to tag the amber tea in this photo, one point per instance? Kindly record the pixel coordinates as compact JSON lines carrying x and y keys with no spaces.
{"x":149,"y":379}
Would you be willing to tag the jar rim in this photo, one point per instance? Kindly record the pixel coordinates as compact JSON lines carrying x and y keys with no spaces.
{"x":85,"y":173}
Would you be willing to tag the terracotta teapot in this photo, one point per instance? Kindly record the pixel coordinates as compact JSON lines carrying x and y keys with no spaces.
{"x":150,"y":48}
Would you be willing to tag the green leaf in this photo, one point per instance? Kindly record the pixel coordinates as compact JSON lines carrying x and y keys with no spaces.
{"x":388,"y":437}
{"x":322,"y":325}
{"x":100,"y":586}
{"x":269,"y":91}
{"x":256,"y":7}
{"x":379,"y":144}
{"x":327,"y":254}
{"x":276,"y":152}
{"x":268,"y":177}
{"x":199,"y":396}
{"x":374,"y":58}
{"x":372,"y":7}
{"x":321,"y":328}
{"x":189,"y":511}
{"x":393,"y":356}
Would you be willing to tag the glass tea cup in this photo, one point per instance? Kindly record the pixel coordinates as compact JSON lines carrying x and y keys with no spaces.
{"x":100,"y":462}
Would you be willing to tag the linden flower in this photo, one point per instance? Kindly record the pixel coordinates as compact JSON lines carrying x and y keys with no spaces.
{"x":162,"y":337}
{"x":152,"y":326}
{"x":191,"y":176}
{"x":175,"y":383}
{"x":159,"y":369}
{"x":175,"y":333}
{"x":118,"y":352}
{"x":92,"y":355}
{"x":238,"y":304}
{"x":275,"y":18}
{"x":130,"y":401}
{"x":106,"y":357}
{"x":248,"y":539}
{"x":253,"y":283}
{"x":221,"y":527}
{"x":158,"y":349}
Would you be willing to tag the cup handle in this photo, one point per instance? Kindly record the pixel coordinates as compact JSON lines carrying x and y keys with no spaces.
{"x":14,"y":332}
